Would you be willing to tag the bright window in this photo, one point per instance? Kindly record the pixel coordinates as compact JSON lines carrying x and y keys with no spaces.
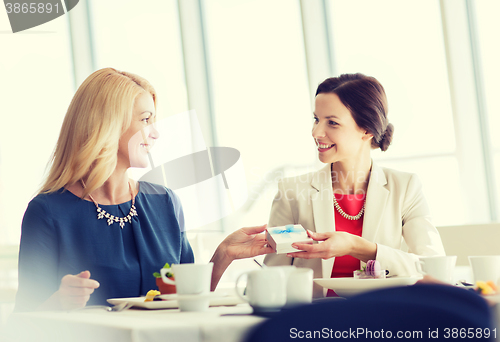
{"x":143,"y":38}
{"x":36,"y":87}
{"x":260,"y":89}
{"x":389,"y":40}
{"x":488,"y":28}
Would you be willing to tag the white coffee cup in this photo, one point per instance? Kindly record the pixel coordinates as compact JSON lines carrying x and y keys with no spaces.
{"x":299,"y":284}
{"x":266,"y":289}
{"x":191,"y":279}
{"x":486,"y":268}
{"x":439,"y":267}
{"x":299,"y":287}
{"x":287,"y":271}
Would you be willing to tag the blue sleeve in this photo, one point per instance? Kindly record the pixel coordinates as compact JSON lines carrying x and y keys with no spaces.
{"x":187,"y":255}
{"x":38,"y":257}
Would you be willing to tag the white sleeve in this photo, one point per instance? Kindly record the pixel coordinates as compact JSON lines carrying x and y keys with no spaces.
{"x":420,"y":235}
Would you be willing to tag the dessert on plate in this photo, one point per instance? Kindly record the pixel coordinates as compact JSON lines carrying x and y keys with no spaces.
{"x":486,"y":287}
{"x":151,"y":295}
{"x":372,"y":270}
{"x":162,"y":286}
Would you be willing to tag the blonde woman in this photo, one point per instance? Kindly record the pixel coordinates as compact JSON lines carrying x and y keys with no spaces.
{"x":92,"y":233}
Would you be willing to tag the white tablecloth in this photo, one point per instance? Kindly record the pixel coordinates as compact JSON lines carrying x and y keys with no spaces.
{"x":95,"y":325}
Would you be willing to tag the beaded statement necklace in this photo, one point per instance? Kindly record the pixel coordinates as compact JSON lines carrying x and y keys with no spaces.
{"x":344,"y":214}
{"x":101,"y":213}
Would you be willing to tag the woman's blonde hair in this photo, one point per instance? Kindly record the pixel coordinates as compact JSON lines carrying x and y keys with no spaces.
{"x":100,"y":112}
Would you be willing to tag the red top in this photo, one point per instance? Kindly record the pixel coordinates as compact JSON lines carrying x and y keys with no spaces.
{"x":344,"y":266}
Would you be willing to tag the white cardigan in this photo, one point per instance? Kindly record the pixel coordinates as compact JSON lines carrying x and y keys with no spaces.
{"x":396,"y":210}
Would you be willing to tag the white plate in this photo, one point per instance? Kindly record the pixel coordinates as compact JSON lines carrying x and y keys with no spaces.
{"x":171,"y":303}
{"x":493,"y":298}
{"x":175,"y":296}
{"x":346,"y":287}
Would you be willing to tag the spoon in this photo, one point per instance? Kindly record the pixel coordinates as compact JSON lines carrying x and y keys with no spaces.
{"x":258,"y":263}
{"x":115,"y":308}
{"x":119,"y":307}
{"x":465,"y":283}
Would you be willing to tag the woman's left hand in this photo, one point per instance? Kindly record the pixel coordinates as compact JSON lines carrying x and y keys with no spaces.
{"x":333,"y":244}
{"x":246,"y":243}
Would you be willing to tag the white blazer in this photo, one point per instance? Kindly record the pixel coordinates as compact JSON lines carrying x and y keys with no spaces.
{"x":396,"y":210}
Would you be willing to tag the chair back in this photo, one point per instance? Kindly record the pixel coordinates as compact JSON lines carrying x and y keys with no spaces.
{"x":468,"y":240}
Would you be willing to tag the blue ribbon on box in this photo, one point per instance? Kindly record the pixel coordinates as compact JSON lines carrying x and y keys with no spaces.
{"x":289,"y":228}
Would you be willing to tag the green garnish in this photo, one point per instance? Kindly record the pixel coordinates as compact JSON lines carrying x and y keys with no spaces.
{"x":363,"y":269}
{"x":169,"y":275}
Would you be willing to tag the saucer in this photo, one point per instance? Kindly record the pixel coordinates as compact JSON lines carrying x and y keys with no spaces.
{"x":215,"y":299}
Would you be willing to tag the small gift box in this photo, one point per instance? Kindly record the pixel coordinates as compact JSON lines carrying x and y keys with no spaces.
{"x":281,"y":238}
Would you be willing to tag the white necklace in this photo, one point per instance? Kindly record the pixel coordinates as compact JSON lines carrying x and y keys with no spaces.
{"x":101,"y":213}
{"x":344,"y":214}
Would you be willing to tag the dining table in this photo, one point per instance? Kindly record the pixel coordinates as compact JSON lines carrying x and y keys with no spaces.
{"x":219,"y":323}
{"x":231,"y":319}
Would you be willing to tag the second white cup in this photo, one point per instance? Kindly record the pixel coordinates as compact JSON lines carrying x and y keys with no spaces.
{"x":486,"y":268}
{"x":265,"y":290}
{"x":299,"y":284}
{"x":299,"y":287}
{"x":191,"y":279}
{"x":439,"y":267}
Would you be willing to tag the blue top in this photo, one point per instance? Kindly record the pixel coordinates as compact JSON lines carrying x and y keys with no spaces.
{"x":62,"y":235}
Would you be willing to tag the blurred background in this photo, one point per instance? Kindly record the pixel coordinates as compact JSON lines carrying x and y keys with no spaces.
{"x":250,"y":68}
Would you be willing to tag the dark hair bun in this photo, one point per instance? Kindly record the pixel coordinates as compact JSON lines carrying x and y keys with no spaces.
{"x":365,"y":99}
{"x":386,"y":138}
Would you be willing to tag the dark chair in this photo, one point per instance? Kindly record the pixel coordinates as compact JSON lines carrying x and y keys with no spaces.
{"x":419,"y":312}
